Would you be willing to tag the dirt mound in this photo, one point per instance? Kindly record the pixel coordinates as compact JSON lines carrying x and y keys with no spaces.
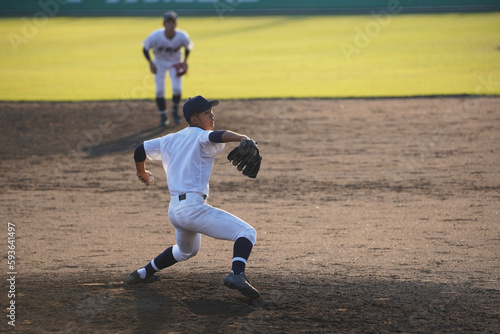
{"x":372,"y":215}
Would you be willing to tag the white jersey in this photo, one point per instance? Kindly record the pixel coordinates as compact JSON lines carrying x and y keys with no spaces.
{"x":168,"y":49}
{"x":188,"y":157}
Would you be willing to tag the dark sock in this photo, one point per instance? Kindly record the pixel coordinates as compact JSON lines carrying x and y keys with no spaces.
{"x":160,"y":102}
{"x":149,"y":270}
{"x":165,"y":259}
{"x":241,"y":252}
{"x":175,"y":100}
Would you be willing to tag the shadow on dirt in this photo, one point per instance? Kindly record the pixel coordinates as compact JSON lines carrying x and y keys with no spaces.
{"x":199,"y":303}
{"x":127,"y":143}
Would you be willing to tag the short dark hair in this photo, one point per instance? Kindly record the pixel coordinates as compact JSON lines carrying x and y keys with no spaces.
{"x":170,"y":15}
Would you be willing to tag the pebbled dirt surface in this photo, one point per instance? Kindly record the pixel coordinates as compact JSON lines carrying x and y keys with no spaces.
{"x":372,"y":215}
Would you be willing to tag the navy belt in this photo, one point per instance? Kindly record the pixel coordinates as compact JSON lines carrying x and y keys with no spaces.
{"x":183,"y":197}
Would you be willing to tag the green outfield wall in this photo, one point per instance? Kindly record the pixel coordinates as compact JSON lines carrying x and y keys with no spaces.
{"x":234,"y":7}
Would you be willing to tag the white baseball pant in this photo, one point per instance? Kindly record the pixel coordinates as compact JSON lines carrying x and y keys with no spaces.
{"x":161,"y":71}
{"x":192,"y":217}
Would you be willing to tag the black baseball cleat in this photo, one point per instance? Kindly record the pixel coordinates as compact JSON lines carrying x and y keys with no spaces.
{"x":134,"y":278}
{"x":240,"y":283}
{"x":164,"y":121}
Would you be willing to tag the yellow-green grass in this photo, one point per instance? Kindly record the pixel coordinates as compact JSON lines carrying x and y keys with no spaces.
{"x":256,"y":57}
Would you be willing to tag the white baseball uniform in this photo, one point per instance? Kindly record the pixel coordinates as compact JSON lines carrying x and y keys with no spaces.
{"x":188,"y":157}
{"x":167,"y":52}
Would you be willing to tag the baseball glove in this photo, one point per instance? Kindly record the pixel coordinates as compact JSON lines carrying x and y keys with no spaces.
{"x":246,"y":157}
{"x":181,"y":69}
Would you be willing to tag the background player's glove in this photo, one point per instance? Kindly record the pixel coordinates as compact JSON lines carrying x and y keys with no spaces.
{"x":181,"y":69}
{"x":246,"y":157}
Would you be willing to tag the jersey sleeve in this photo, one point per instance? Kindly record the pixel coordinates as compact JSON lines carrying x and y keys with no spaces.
{"x":208,"y":147}
{"x":149,"y":41}
{"x":188,"y":44}
{"x":152,"y":148}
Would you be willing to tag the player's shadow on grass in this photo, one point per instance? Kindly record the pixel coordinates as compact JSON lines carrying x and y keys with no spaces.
{"x":127,"y":143}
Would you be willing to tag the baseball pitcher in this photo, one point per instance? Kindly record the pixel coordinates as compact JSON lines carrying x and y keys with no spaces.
{"x":188,"y":157}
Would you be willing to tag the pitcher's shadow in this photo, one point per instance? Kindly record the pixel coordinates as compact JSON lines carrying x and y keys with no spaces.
{"x":127,"y":143}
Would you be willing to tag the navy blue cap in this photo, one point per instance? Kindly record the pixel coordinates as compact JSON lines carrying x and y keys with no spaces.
{"x":170,"y":15}
{"x":196,"y":105}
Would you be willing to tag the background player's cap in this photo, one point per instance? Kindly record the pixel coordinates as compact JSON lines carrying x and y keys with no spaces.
{"x":197,"y":104}
{"x":170,"y":15}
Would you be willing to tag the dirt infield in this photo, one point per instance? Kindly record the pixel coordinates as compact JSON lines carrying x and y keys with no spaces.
{"x":372,"y":216}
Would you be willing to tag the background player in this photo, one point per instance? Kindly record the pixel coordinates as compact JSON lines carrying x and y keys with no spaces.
{"x":188,"y":157}
{"x":166,"y":43}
